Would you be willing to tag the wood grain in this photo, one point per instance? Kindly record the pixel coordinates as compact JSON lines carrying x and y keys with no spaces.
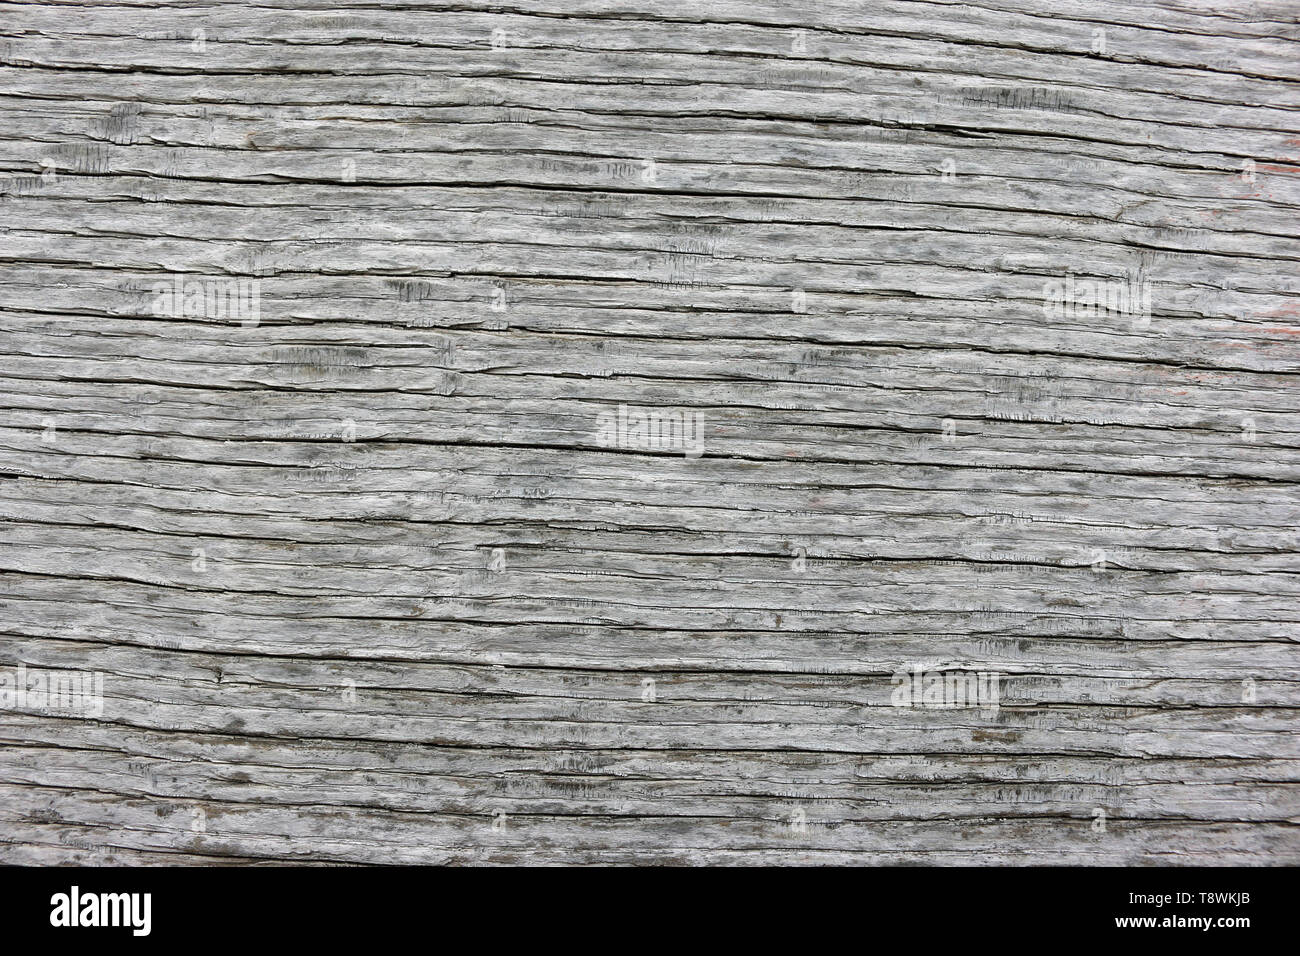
{"x":988,"y":318}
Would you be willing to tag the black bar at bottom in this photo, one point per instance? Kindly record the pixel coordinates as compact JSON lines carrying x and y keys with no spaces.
{"x":367,"y":906}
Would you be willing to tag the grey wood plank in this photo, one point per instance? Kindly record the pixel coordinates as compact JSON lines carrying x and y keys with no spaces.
{"x":326,"y":540}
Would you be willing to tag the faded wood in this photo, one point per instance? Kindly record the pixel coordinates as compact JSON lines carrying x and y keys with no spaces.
{"x":368,"y":577}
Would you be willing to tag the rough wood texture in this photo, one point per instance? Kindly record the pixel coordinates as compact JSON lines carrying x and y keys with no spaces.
{"x":370,"y":572}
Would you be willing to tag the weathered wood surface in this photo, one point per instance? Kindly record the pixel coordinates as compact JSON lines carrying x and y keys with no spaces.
{"x":365,"y":585}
